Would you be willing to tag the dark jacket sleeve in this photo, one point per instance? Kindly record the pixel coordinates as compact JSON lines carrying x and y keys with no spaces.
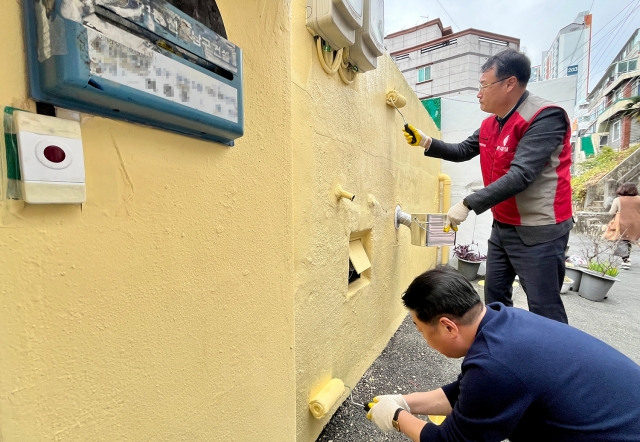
{"x":452,"y":390}
{"x":456,"y":152}
{"x":533,"y":152}
{"x":490,"y":403}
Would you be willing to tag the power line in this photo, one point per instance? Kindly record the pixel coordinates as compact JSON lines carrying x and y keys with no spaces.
{"x":602,"y":29}
{"x":459,"y":28}
{"x":605,"y":38}
{"x":631,"y":13}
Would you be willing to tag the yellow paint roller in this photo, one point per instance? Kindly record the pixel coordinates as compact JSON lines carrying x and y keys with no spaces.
{"x":326,"y":398}
{"x":395,"y":100}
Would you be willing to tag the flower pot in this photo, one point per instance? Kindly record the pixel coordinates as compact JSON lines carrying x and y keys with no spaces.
{"x":565,"y":285}
{"x":574,"y":273}
{"x":594,"y":286}
{"x":468,"y":269}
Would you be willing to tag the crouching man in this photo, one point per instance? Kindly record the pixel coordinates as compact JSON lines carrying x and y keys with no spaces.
{"x":524,"y":377}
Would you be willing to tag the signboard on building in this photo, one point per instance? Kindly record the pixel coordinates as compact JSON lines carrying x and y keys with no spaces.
{"x":572,"y":70}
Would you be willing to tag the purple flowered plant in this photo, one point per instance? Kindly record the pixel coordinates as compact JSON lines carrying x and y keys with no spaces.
{"x":466,"y":252}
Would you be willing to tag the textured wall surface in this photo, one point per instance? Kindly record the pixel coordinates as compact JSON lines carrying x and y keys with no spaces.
{"x":347,"y":135}
{"x":161,"y":309}
{"x":200,"y":282}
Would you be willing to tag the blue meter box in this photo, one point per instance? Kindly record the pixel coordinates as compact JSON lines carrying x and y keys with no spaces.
{"x":138,"y":60}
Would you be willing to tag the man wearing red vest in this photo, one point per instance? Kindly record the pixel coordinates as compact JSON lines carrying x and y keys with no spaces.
{"x":525,"y":157}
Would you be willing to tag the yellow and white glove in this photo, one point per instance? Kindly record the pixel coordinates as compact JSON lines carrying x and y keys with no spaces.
{"x":455,"y":216}
{"x":396,"y":397}
{"x":382,"y":410}
{"x":422,"y":140}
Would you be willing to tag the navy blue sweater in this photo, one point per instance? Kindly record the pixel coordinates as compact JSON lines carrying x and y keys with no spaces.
{"x":528,"y":378}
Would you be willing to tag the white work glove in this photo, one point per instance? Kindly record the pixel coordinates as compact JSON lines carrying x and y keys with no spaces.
{"x":422,"y":140}
{"x":382,"y":412}
{"x":456,"y":215}
{"x":396,"y":397}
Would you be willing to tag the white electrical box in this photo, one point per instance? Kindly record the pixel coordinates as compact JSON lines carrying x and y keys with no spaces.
{"x":369,"y":42}
{"x":336,"y":21}
{"x":51,"y":159}
{"x":353,"y":11}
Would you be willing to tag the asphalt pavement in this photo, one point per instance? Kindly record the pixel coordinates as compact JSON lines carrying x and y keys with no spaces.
{"x":407,"y":364}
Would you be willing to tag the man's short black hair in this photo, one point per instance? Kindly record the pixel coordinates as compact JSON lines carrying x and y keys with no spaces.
{"x":441,"y":292}
{"x":510,"y":63}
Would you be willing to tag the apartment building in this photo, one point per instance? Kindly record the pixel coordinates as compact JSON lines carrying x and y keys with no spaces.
{"x":438,"y":62}
{"x":603,"y":123}
{"x":569,"y":54}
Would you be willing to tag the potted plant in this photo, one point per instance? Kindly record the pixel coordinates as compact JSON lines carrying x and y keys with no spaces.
{"x":468,"y":260}
{"x":574,"y":274}
{"x":566,"y":285}
{"x":602,"y":266}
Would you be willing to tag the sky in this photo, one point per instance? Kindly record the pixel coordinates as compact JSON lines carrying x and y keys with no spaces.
{"x":535,"y":22}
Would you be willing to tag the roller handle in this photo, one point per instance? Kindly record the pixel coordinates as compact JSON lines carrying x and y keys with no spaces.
{"x":410,"y":132}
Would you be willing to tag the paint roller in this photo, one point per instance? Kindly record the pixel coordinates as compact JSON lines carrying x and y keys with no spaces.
{"x":395,"y":100}
{"x":326,"y":398}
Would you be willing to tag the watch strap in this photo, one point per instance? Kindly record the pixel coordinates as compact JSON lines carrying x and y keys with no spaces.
{"x":394,"y":421}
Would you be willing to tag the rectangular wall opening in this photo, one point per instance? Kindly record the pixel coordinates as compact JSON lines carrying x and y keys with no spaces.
{"x":359,"y":261}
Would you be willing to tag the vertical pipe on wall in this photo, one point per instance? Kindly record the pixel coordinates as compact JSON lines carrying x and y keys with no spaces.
{"x":446,"y":204}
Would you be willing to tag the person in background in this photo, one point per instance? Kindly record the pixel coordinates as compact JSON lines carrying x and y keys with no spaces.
{"x":525,"y":158}
{"x":628,"y":205}
{"x":523,"y":377}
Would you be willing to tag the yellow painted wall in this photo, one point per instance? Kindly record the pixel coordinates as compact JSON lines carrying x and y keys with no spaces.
{"x":162,"y":309}
{"x":347,"y":135}
{"x":201,"y":283}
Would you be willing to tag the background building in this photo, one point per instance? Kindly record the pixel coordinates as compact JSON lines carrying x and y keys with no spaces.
{"x":569,"y":54}
{"x":602,"y":123}
{"x":438,"y":62}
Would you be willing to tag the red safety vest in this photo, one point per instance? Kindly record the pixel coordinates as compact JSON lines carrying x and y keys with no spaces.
{"x":547,"y":200}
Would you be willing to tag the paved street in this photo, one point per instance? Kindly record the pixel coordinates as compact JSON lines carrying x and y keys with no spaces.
{"x":407,"y":364}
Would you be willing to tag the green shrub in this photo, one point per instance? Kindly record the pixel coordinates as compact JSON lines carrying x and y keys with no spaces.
{"x":594,"y":168}
{"x":603,"y":270}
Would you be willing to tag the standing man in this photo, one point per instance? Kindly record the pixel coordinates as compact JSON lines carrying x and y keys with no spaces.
{"x":523,"y":377}
{"x":525,"y":157}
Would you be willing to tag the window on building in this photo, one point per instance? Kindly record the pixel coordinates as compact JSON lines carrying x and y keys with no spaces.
{"x":633,"y":65}
{"x":615,"y":131}
{"x":623,"y":66}
{"x":618,"y":94}
{"x":424,"y":74}
{"x":401,"y":57}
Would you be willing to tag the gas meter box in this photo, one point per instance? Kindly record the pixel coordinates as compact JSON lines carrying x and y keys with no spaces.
{"x":369,"y":42}
{"x":142,"y":60}
{"x":336,"y":21}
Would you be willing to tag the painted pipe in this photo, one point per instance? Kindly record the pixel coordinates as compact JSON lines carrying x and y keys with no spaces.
{"x":326,"y":398}
{"x":341,"y":193}
{"x":401,"y":218}
{"x":446,"y":205}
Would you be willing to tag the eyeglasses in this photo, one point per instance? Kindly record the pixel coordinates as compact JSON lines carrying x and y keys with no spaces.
{"x":484,"y":86}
